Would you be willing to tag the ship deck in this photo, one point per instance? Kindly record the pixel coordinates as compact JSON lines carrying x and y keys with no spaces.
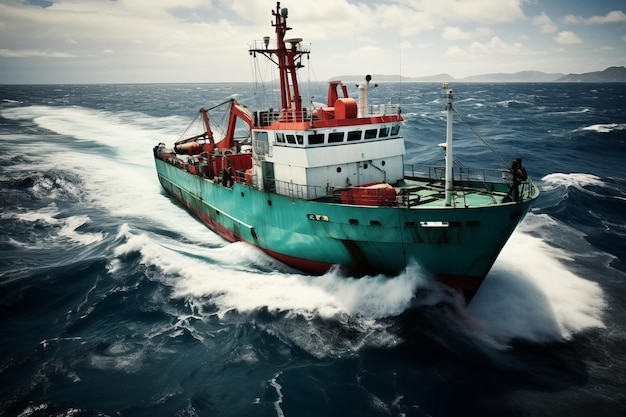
{"x":426,"y":193}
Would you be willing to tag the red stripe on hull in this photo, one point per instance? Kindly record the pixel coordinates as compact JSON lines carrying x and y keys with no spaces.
{"x":468,"y":285}
{"x":209,"y":222}
{"x":305,"y":265}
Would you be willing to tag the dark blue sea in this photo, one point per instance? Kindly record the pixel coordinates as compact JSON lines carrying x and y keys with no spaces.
{"x":114,"y":301}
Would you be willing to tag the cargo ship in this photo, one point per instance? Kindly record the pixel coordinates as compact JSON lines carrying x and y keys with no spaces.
{"x":326,"y":186}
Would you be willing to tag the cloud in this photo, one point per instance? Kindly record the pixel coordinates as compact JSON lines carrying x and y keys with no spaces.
{"x":546,"y":25}
{"x":455,"y":52}
{"x":455,"y":33}
{"x":366,"y":52}
{"x":151,"y":43}
{"x":406,"y":45}
{"x":567,"y":38}
{"x":8,"y":53}
{"x":616,"y":16}
{"x":497,"y":46}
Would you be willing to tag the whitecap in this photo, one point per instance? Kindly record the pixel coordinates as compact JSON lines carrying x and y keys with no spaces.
{"x":530,"y":293}
{"x":66,"y":227}
{"x":578,"y":180}
{"x":605,"y":127}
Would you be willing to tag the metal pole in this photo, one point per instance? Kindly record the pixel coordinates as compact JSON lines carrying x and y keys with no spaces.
{"x":447,"y":93}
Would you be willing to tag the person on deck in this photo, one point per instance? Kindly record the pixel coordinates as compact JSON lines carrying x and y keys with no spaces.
{"x":519,"y":175}
{"x":227,"y":174}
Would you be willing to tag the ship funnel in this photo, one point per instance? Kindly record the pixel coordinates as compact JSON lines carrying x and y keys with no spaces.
{"x":363,"y":108}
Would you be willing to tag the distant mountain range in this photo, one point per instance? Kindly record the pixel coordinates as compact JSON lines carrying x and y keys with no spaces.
{"x":611,"y":74}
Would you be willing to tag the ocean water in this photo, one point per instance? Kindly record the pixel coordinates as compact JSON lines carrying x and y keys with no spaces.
{"x":114,"y":301}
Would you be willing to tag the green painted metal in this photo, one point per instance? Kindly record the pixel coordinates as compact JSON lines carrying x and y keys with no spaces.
{"x":461,"y":241}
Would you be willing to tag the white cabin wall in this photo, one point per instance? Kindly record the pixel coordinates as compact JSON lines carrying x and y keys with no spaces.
{"x":309,"y":172}
{"x":360,"y":151}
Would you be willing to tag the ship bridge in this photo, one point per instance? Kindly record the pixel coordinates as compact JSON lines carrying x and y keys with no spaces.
{"x":343,"y":144}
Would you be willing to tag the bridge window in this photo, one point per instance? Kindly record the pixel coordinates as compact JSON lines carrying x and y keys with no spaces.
{"x":395,"y":129}
{"x":260,"y":143}
{"x":316,"y":139}
{"x":384,"y":132}
{"x":370,"y":133}
{"x":355,"y":135}
{"x":291,"y":139}
{"x":280,"y":138}
{"x":335,"y":137}
{"x":300,"y":139}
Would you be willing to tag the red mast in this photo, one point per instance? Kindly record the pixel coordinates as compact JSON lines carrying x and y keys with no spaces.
{"x":287,"y":56}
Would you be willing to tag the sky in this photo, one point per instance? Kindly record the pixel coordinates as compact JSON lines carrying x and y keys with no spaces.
{"x":194,"y":41}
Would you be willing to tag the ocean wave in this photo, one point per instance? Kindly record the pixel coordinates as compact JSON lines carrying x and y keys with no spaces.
{"x":532,"y":295}
{"x":128,"y":131}
{"x":598,"y":188}
{"x":65,"y":229}
{"x":120,"y":355}
{"x":514,"y":104}
{"x":331,"y":315}
{"x":529,"y":295}
{"x":578,"y":180}
{"x":605,"y":127}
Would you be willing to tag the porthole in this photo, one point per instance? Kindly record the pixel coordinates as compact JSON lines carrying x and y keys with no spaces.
{"x":269,"y":202}
{"x":383,"y":163}
{"x":353,"y":221}
{"x":365,"y":166}
{"x":338,"y":169}
{"x":375,"y":223}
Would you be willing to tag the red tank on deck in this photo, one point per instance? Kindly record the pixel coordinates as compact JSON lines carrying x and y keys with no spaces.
{"x":372,"y":194}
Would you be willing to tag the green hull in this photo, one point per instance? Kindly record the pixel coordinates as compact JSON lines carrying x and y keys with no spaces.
{"x":456,"y":245}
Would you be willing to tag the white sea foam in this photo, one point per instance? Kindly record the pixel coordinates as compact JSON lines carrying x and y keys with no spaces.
{"x":119,"y":177}
{"x":67,"y":227}
{"x":531,"y":295}
{"x":605,"y":127}
{"x":119,"y":356}
{"x":225,"y":276}
{"x":578,"y":180}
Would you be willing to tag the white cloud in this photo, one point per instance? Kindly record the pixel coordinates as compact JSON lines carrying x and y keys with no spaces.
{"x":455,"y":33}
{"x":546,"y":25}
{"x":616,"y":16}
{"x":406,"y":45}
{"x":180,"y":40}
{"x":8,"y":53}
{"x":455,"y":52}
{"x":366,"y":52}
{"x":567,"y":38}
{"x":497,"y":46}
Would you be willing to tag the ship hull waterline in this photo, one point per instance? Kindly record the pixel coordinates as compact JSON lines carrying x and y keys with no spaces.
{"x":359,"y":239}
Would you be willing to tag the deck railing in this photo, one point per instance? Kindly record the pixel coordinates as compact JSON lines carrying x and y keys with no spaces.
{"x":266,"y":118}
{"x":437,"y":173}
{"x":467,"y":180}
